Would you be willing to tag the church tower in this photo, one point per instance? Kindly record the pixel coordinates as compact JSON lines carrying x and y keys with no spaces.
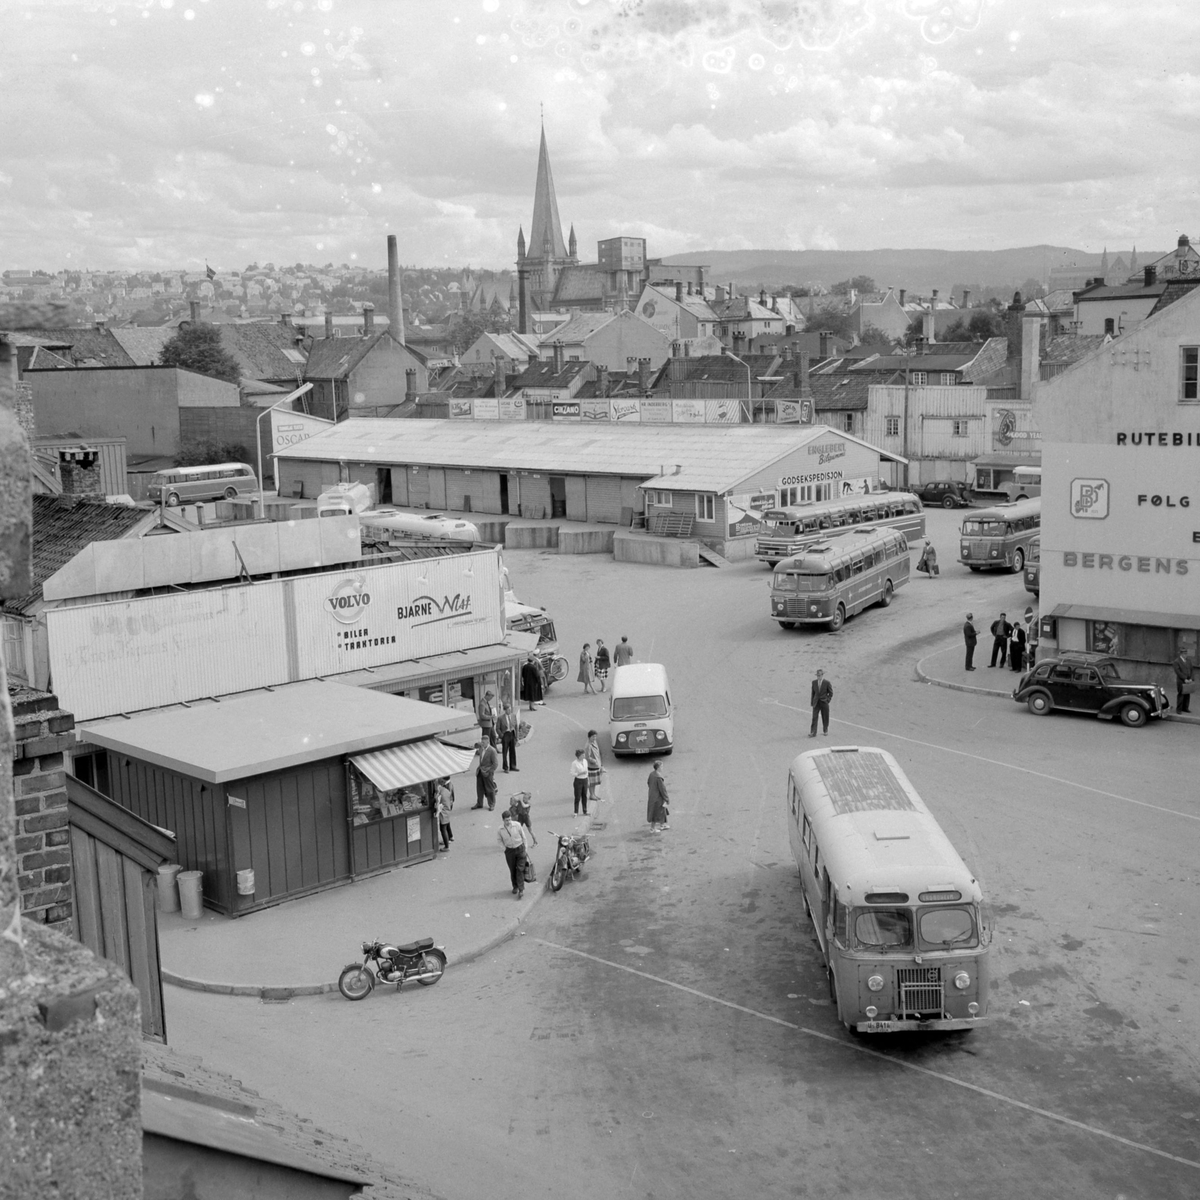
{"x":542,"y":259}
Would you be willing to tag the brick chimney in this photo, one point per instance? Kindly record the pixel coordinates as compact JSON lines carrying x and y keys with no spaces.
{"x":762,"y":297}
{"x":499,"y":363}
{"x":194,"y":311}
{"x":79,"y":473}
{"x":328,"y":324}
{"x":395,"y":299}
{"x":720,"y":296}
{"x":368,"y":320}
{"x":903,"y":293}
{"x":689,"y":287}
{"x":1150,"y":276}
{"x":678,"y":291}
{"x":602,"y":384}
{"x":966,"y":303}
{"x":1012,"y":325}
{"x":823,"y":342}
{"x":285,"y":319}
{"x":643,"y":369}
{"x":559,"y":357}
{"x":676,"y":364}
{"x":802,"y":381}
{"x":410,"y":383}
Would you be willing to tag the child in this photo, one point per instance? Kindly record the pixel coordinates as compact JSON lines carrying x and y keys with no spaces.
{"x":445,"y":803}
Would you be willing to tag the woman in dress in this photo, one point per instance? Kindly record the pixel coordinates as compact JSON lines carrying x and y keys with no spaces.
{"x":586,"y":671}
{"x":602,"y":662}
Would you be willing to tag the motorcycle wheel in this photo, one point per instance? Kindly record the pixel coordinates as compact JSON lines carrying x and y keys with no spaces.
{"x":557,"y":875}
{"x":433,"y":964}
{"x":356,"y":981}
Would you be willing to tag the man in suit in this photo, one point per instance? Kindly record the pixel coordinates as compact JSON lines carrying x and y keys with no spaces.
{"x":623,"y":654}
{"x":485,"y":774}
{"x":1183,"y":674}
{"x":507,"y":726}
{"x":822,"y":694}
{"x":486,"y":715}
{"x":970,"y":636}
{"x":1001,"y":632}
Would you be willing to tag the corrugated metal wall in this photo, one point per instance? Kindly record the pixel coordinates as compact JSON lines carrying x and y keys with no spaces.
{"x":193,"y":812}
{"x":603,"y":498}
{"x":400,"y":487}
{"x":312,"y":477}
{"x":292,"y":831}
{"x":535,"y":496}
{"x":483,"y":488}
{"x":437,"y":487}
{"x":576,"y":498}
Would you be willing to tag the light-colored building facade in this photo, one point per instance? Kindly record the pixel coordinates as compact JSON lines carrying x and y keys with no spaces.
{"x":609,"y":340}
{"x":1121,"y":499}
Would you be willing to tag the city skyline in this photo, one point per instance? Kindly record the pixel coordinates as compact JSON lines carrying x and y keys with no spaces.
{"x":152,"y":133}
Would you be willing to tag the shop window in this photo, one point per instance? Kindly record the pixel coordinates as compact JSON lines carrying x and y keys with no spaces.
{"x":891,"y":427}
{"x":1145,"y":643}
{"x":960,"y":429}
{"x":1189,"y":391}
{"x":983,"y":479}
{"x":705,"y":507}
{"x":369,"y":804}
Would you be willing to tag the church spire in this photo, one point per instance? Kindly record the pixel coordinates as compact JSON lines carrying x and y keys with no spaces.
{"x":572,"y":245}
{"x":1133,"y":262}
{"x":1104,"y":265}
{"x":546,"y":227}
{"x":521,"y":244}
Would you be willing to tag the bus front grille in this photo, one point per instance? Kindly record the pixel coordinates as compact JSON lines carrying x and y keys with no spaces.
{"x":921,"y":991}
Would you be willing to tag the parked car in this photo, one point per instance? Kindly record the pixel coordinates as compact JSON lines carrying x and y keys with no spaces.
{"x":949,"y":493}
{"x":1079,"y":681}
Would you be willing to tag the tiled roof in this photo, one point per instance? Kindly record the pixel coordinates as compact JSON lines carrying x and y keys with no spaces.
{"x":581,"y":281}
{"x":334,"y":358}
{"x":580,"y":327}
{"x":1122,"y":291}
{"x":709,"y":367}
{"x":543,"y":375}
{"x":144,"y":343}
{"x":60,"y":532}
{"x":259,"y":349}
{"x":697,"y":305}
{"x":1070,"y":348}
{"x":89,"y":346}
{"x":1176,"y":289}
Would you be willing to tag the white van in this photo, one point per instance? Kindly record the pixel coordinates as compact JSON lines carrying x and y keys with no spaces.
{"x":1026,"y":483}
{"x":641,"y":717}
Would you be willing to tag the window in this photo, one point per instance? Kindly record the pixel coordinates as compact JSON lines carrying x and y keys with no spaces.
{"x":705,"y":507}
{"x":960,"y":429}
{"x":14,"y":649}
{"x":796,"y":495}
{"x":1189,"y":393}
{"x":949,"y":379}
{"x":892,"y":427}
{"x":824,"y":491}
{"x":919,"y":378}
{"x":848,"y":422}
{"x":659,"y":499}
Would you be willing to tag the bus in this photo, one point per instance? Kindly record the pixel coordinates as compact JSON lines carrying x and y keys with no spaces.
{"x":835,"y":579}
{"x":999,"y":537}
{"x":1033,"y":566}
{"x":899,"y":918}
{"x":193,"y":485}
{"x":1026,"y":483}
{"x":788,"y":531}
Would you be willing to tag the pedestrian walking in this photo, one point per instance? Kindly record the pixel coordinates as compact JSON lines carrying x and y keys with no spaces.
{"x":602,"y":662}
{"x":520,"y":805}
{"x":508,"y":725}
{"x":1182,"y":666}
{"x":586,"y":670}
{"x":822,"y":694}
{"x":595,"y":765}
{"x":445,"y":805}
{"x":928,"y":562}
{"x":623,"y":654}
{"x":1001,"y":632}
{"x":533,"y":686}
{"x":579,"y":781}
{"x":1016,"y":648}
{"x":485,"y":775}
{"x":970,"y":637}
{"x":485,"y":712}
{"x":515,"y":839}
{"x":658,"y":807}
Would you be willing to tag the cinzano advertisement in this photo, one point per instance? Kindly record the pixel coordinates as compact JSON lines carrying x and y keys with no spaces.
{"x":129,"y":655}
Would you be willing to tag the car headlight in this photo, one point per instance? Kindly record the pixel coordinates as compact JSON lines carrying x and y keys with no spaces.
{"x":962,"y":981}
{"x":875,"y":983}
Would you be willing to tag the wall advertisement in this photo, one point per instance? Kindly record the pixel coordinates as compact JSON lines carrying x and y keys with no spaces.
{"x":512,"y":408}
{"x":460,"y":407}
{"x":1012,"y":429}
{"x":594,"y":410}
{"x":129,"y":655}
{"x":487,"y":408}
{"x":628,"y":412}
{"x":655,"y":412}
{"x":687,"y":412}
{"x":565,"y":410}
{"x":289,"y":428}
{"x":744,"y":511}
{"x":722,"y":412}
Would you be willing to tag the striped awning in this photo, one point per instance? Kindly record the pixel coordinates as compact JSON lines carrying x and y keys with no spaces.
{"x":417,"y":762}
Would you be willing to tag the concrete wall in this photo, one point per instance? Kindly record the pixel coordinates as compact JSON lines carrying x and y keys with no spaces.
{"x":661,"y":552}
{"x":141,"y":404}
{"x":238,"y":426}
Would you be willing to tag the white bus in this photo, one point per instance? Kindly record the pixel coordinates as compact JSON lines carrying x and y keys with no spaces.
{"x":835,"y":579}
{"x":898,"y":915}
{"x":788,"y":531}
{"x":193,"y":485}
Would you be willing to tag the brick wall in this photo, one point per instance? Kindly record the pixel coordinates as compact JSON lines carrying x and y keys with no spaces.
{"x":43,"y":850}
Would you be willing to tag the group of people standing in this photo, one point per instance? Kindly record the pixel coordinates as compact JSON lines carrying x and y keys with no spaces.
{"x":1013,"y":644}
{"x":594,"y":668}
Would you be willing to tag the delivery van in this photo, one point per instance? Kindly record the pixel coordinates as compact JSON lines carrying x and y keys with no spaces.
{"x":641,"y":717}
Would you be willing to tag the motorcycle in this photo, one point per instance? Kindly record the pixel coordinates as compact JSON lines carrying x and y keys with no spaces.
{"x":574,"y":850}
{"x":420,"y":960}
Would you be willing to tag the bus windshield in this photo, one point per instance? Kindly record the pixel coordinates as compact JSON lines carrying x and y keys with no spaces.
{"x":942,"y":928}
{"x":985,"y":528}
{"x":637,"y":708}
{"x":883,"y":928}
{"x":800,"y":583}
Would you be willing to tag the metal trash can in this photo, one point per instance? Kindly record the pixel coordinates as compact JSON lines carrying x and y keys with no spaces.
{"x":245,"y":882}
{"x":189,"y":894}
{"x":168,"y":888}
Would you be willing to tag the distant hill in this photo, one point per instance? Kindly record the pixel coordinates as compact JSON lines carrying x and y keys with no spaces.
{"x":915,"y":270}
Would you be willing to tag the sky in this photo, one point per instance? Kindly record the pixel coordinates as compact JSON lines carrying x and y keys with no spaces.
{"x":145,"y":134}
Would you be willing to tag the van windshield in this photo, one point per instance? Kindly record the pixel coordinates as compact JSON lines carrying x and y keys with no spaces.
{"x":631,"y":708}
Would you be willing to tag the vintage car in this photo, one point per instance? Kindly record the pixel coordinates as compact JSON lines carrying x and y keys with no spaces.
{"x":949,"y":493}
{"x":1078,"y":681}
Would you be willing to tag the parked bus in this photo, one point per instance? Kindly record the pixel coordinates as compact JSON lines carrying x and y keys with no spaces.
{"x":1033,"y":566}
{"x":193,"y":485}
{"x":898,"y":915}
{"x":999,"y":537}
{"x":1026,"y":483}
{"x":788,"y":531}
{"x":835,"y":579}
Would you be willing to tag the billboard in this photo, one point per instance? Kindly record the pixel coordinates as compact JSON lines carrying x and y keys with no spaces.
{"x":460,"y":407}
{"x":487,"y":408}
{"x":128,"y":655}
{"x":512,"y":408}
{"x":655,"y":412}
{"x":687,"y":412}
{"x":722,"y":412}
{"x":594,"y":410}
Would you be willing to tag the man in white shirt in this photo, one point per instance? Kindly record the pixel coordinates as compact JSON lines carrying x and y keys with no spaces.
{"x":515,"y":839}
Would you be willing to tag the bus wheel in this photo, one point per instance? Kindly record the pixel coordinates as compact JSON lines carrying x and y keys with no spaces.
{"x":172,"y":499}
{"x":231,"y":493}
{"x":886,"y":598}
{"x":1022,"y":497}
{"x":1018,"y":561}
{"x":787,"y":624}
{"x":1133,"y":715}
{"x":839,"y":618}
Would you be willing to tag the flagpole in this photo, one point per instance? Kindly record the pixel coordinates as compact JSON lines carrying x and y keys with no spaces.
{"x":258,"y":441}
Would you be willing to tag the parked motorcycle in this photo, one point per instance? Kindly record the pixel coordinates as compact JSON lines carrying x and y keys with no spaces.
{"x":574,"y":850}
{"x":420,"y":960}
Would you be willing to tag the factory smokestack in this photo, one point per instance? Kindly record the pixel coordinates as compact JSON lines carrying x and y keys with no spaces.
{"x":395,"y":304}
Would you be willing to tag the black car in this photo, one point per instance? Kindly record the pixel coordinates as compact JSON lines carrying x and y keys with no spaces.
{"x":949,"y":493}
{"x":1089,"y":683}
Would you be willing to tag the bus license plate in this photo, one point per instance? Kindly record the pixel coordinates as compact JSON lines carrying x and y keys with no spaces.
{"x":880,"y":1027}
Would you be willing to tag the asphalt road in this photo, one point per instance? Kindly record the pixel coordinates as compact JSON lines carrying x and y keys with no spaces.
{"x":662,"y":1027}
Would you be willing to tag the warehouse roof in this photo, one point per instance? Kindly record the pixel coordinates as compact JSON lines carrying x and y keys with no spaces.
{"x":710,"y":457}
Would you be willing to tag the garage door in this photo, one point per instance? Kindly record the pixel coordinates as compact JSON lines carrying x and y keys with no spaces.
{"x":576,"y":498}
{"x":535,"y":497}
{"x":437,"y":487}
{"x":604,"y":498}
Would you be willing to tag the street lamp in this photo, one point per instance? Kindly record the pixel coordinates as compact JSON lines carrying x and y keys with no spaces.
{"x":258,"y":439}
{"x":749,"y":385}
